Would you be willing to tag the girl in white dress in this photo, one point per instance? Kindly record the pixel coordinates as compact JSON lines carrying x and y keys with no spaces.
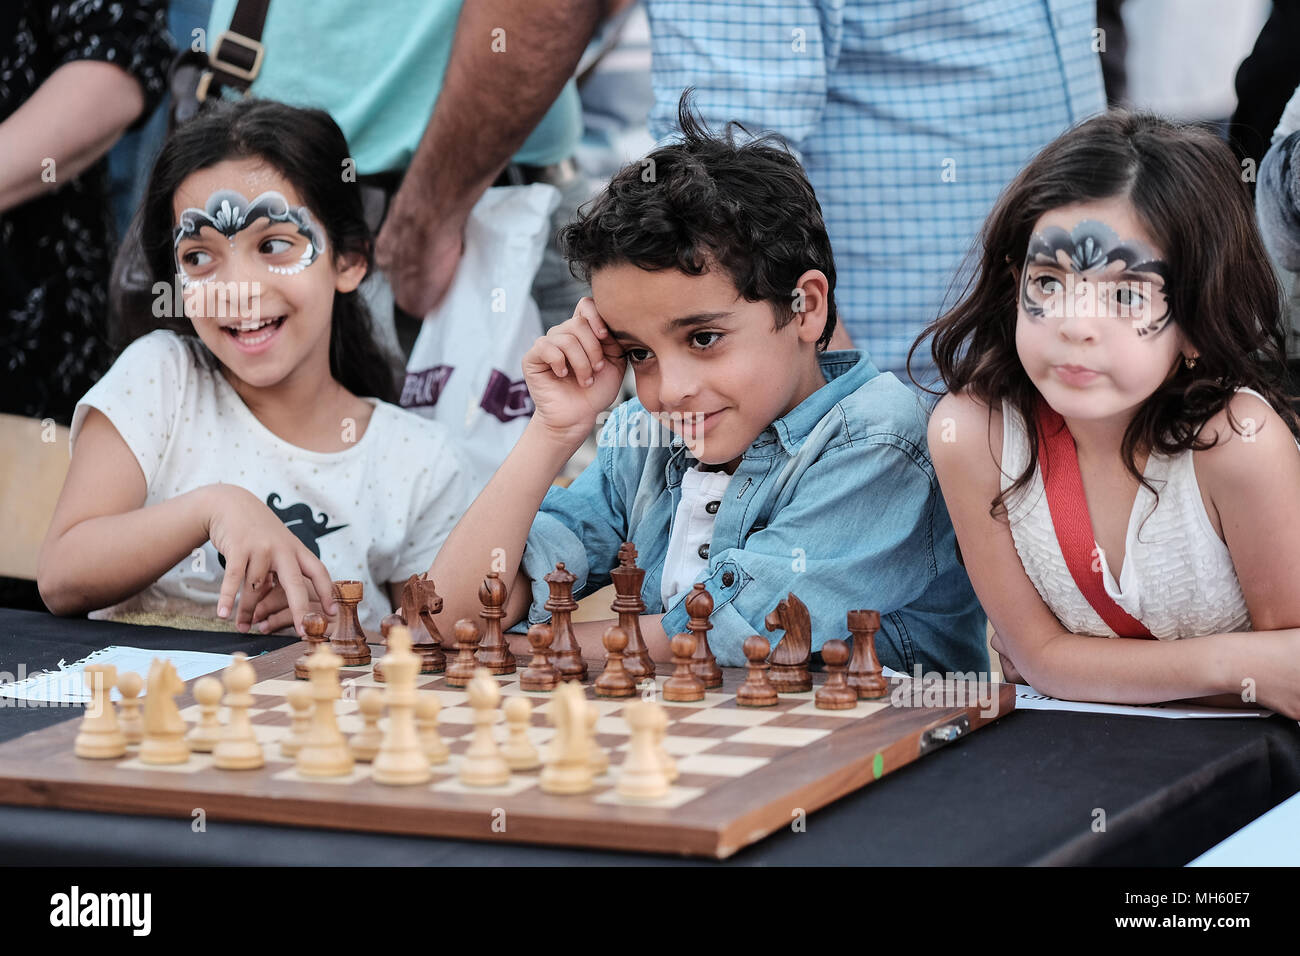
{"x":1116,"y":449}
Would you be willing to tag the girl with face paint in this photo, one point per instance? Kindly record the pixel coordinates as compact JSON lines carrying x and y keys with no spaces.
{"x":243,"y":451}
{"x":1116,"y":447}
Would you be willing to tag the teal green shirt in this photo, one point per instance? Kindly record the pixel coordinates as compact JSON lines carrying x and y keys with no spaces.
{"x":377,"y":69}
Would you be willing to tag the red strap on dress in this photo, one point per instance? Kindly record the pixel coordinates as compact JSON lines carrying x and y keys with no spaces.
{"x":1059,"y":460}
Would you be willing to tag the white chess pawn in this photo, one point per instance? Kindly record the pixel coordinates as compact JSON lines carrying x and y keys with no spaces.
{"x":238,"y":748}
{"x":130,"y":684}
{"x":518,"y":750}
{"x":483,"y":765}
{"x":100,"y":737}
{"x":365,"y":742}
{"x":643,"y":774}
{"x":203,"y":736}
{"x":427,"y":707}
{"x":299,"y":698}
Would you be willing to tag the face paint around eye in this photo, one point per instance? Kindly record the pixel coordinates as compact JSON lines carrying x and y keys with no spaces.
{"x":1084,"y":255}
{"x":229,"y":213}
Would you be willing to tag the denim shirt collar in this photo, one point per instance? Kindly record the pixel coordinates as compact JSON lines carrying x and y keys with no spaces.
{"x":845,"y":371}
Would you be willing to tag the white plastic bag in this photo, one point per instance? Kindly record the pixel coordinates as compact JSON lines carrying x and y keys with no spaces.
{"x":464,"y":369}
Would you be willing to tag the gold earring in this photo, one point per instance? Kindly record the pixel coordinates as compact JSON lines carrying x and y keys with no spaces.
{"x":1189,"y":361}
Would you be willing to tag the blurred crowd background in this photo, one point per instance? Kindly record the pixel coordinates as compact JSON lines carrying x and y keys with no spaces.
{"x":909,"y":116}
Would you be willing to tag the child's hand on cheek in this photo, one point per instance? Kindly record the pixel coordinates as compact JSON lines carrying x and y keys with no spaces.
{"x":255,"y":542}
{"x":573,"y":373}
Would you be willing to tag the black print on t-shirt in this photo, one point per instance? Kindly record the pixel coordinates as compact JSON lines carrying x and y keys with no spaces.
{"x":299,"y":519}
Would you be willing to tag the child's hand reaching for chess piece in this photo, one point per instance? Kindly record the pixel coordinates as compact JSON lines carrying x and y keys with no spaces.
{"x":256,"y":545}
{"x":574,"y":373}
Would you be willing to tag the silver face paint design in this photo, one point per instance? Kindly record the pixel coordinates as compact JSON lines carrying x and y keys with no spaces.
{"x":229,"y":212}
{"x":1088,"y":253}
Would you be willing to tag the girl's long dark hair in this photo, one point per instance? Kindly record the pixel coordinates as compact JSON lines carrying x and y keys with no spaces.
{"x":308,"y":149}
{"x":1187,"y":191}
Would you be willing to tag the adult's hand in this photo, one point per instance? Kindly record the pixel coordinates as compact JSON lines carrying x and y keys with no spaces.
{"x":419,"y":249}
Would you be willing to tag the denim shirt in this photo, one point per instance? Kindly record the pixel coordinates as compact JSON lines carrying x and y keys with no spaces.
{"x":836,"y":501}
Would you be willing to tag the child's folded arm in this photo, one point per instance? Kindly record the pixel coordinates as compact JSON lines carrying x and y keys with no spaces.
{"x":830,"y":547}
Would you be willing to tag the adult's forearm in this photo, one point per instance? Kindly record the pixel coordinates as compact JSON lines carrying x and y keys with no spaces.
{"x":72,"y":119}
{"x":491,"y":99}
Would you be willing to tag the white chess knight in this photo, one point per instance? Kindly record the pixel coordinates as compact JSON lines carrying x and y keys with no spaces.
{"x":164,"y":728}
{"x":568,"y":765}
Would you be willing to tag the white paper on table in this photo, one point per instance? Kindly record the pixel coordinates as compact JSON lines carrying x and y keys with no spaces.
{"x":67,"y":685}
{"x":1029,"y":699}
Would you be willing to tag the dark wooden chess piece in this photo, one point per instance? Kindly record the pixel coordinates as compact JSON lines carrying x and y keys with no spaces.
{"x":313,"y":622}
{"x":835,"y":694}
{"x":494,"y":653}
{"x":539,"y":675}
{"x":629,"y":607}
{"x":866,"y":676}
{"x":757,"y":691}
{"x":789,"y":673}
{"x":420,"y":601}
{"x":614,"y":680}
{"x":349,"y":641}
{"x":461,"y":669}
{"x":566,"y":655}
{"x":699,"y":605}
{"x":683,"y":685}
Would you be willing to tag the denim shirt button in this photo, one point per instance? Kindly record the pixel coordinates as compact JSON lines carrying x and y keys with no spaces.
{"x":712,"y":507}
{"x":728,"y":579}
{"x":703,"y":552}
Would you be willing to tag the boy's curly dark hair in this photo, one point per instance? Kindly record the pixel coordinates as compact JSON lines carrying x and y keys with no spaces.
{"x":705,"y":200}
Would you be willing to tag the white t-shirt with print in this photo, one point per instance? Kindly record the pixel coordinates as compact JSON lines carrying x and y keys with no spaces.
{"x":377,"y":512}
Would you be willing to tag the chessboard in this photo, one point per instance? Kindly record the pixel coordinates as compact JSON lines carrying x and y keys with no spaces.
{"x":744,"y":772}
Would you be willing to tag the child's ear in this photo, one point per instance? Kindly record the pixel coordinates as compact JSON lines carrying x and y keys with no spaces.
{"x":809,"y":304}
{"x":351,"y":269}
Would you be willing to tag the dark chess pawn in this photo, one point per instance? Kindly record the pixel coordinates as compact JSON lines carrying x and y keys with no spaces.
{"x":835,"y":694}
{"x":461,"y":670}
{"x":683,"y":685}
{"x":699,"y":605}
{"x":313,"y":622}
{"x":757,"y":691}
{"x":615,"y":681}
{"x":539,"y":675}
{"x":866,"y":676}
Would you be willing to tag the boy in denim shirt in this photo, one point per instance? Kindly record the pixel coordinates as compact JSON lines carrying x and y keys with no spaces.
{"x":751,"y":459}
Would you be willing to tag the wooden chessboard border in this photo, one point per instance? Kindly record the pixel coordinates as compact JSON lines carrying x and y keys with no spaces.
{"x":39,"y":770}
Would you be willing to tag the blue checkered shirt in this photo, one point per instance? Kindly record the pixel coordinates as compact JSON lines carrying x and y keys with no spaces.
{"x":910,"y":117}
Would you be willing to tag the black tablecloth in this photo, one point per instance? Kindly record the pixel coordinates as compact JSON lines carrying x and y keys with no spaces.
{"x":1034,"y":787}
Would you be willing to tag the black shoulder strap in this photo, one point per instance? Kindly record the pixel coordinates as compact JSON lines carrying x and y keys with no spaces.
{"x":236,"y":56}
